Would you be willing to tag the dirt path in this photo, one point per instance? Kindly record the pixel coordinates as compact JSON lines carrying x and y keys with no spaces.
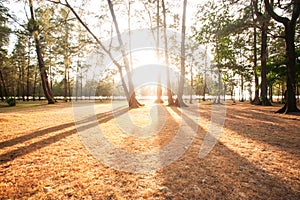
{"x":257,"y":156}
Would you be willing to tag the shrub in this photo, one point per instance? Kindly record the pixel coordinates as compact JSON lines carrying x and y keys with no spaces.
{"x":11,"y":101}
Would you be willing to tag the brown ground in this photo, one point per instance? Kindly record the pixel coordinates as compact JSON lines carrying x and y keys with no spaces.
{"x":42,"y":157}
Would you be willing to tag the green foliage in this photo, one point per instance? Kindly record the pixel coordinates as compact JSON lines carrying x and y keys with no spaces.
{"x":104,"y":88}
{"x":11,"y":101}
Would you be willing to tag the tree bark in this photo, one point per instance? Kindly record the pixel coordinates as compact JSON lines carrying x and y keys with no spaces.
{"x":179,"y":101}
{"x":28,"y":72}
{"x":263,"y":86}
{"x":256,"y":100}
{"x":242,"y":88}
{"x":44,"y":78}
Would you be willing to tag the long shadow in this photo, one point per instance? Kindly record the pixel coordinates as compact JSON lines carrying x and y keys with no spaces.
{"x":30,"y":136}
{"x":251,"y":127}
{"x":102,"y":118}
{"x":11,"y":155}
{"x":222,"y":174}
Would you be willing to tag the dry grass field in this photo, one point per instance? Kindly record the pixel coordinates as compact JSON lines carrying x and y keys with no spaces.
{"x":256,"y":157}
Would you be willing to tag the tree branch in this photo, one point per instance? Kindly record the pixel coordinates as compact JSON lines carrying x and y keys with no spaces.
{"x":89,"y":31}
{"x":274,"y":15}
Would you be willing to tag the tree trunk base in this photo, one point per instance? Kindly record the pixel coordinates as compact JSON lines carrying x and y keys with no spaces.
{"x":180,"y":103}
{"x":170,"y":100}
{"x":256,"y":101}
{"x":51,"y":101}
{"x":266,"y":102}
{"x":133,"y":103}
{"x":286,"y":109}
{"x":159,"y":101}
{"x":172,"y":104}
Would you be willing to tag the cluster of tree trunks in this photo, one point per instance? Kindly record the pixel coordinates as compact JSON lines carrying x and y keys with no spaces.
{"x":289,"y":36}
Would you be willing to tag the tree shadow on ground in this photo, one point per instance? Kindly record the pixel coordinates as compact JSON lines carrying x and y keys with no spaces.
{"x":51,"y":136}
{"x":262,"y":126}
{"x":222,"y":174}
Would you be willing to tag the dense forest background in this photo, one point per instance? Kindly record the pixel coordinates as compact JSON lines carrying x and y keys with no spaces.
{"x":253,"y":46}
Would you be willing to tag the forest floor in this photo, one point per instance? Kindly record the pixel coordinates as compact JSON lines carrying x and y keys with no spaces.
{"x":257,"y":156}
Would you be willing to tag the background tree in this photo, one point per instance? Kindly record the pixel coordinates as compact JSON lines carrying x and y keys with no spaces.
{"x":4,"y":39}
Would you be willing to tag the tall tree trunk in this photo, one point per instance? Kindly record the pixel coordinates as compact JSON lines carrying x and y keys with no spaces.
{"x":205,"y":68}
{"x":169,"y":89}
{"x":129,"y":33}
{"x":44,"y":78}
{"x":19,"y":82}
{"x":23,"y":81}
{"x":3,"y":84}
{"x":1,"y":94}
{"x":256,"y":84}
{"x":159,"y":88}
{"x":242,"y":88}
{"x":297,"y":91}
{"x":291,"y":102}
{"x":69,"y":86}
{"x":34,"y":85}
{"x":133,"y":103}
{"x":192,"y":84}
{"x":179,"y":101}
{"x":263,"y":86}
{"x":219,"y":86}
{"x":66,"y":83}
{"x":271,"y":93}
{"x":77,"y":82}
{"x":28,"y":72}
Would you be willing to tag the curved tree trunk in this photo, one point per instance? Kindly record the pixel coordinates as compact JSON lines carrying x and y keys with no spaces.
{"x":44,"y":78}
{"x":133,"y":103}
